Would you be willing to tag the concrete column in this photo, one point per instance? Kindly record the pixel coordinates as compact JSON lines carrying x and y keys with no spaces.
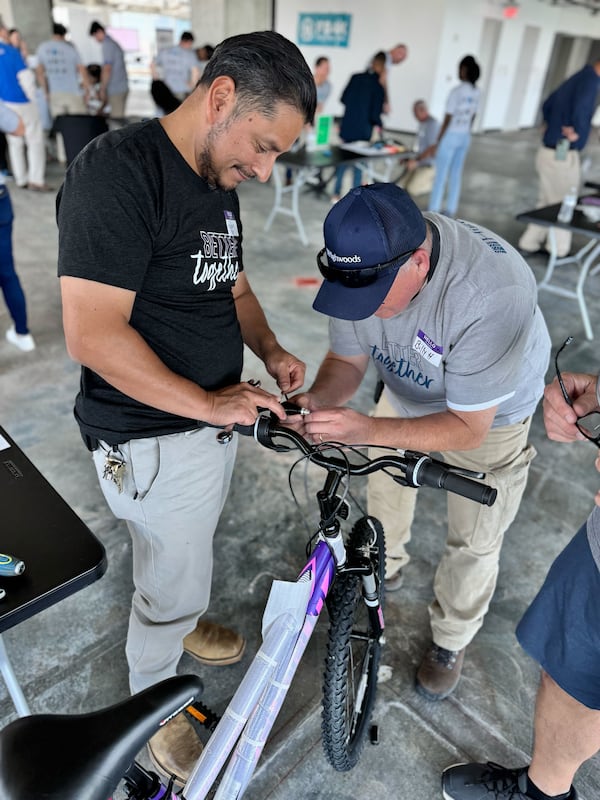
{"x":215,"y":20}
{"x":32,"y":17}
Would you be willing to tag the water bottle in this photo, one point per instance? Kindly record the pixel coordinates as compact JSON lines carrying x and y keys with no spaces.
{"x":10,"y":565}
{"x":565,"y":213}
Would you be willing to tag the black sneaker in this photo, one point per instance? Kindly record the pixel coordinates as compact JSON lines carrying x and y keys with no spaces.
{"x":439,"y":672}
{"x":486,"y":782}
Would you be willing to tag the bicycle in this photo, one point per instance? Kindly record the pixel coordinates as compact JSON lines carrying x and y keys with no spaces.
{"x":37,"y":753}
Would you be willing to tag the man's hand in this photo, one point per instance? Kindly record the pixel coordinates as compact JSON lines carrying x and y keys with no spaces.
{"x":559,"y":417}
{"x":285,"y":368}
{"x":240,"y":403}
{"x":569,"y":132}
{"x":338,"y":425}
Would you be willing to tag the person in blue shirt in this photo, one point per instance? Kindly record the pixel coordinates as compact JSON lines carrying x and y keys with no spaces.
{"x":17,"y":90}
{"x":567,"y":113}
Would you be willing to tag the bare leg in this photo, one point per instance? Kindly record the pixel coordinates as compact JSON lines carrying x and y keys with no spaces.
{"x":566,"y":734}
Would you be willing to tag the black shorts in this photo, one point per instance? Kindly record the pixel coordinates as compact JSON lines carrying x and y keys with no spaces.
{"x":561,"y":627}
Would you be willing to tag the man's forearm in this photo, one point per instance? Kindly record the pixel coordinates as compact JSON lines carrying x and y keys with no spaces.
{"x":336,"y":382}
{"x":139,"y":373}
{"x":431,"y":433}
{"x":256,"y":333}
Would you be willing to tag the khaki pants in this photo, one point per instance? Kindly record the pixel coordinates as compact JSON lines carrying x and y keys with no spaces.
{"x":466,"y":575}
{"x":30,"y":169}
{"x":117,"y":105}
{"x":419,"y":181}
{"x":556,"y":179}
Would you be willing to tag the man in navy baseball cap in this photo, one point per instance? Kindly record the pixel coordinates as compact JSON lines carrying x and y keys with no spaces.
{"x":445,"y":313}
{"x":369,"y":234}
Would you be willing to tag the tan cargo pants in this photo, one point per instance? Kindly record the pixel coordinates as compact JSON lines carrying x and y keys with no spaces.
{"x":465,"y":578}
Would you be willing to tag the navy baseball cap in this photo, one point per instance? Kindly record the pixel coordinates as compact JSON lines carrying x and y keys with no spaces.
{"x":369,"y":234}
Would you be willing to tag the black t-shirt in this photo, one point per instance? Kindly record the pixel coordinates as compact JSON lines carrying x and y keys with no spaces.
{"x":133,"y":214}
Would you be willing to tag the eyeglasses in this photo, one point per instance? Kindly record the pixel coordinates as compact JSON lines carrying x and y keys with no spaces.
{"x":355,"y":278}
{"x":588,"y":425}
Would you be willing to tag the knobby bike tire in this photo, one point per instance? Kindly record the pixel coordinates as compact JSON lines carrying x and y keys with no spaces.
{"x":353,"y":652}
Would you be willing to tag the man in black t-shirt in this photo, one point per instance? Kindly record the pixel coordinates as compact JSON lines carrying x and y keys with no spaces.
{"x":157,"y":308}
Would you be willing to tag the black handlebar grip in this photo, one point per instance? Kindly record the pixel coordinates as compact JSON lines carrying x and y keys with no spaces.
{"x":430,"y":473}
{"x":244,"y":430}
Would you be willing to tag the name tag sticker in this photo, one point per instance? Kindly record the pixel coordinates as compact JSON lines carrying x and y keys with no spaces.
{"x":427,"y":348}
{"x":230,"y":221}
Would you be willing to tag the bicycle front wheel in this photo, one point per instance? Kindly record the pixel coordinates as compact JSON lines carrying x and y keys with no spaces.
{"x":353,"y":652}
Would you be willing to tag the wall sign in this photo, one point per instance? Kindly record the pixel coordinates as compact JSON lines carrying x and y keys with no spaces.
{"x":325,"y":30}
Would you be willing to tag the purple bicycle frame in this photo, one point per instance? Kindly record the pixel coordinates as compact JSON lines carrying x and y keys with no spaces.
{"x":255,"y":706}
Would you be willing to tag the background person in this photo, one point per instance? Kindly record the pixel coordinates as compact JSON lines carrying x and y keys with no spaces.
{"x":63,"y":78}
{"x":395,"y":55}
{"x":363,"y":101}
{"x":177,"y":67}
{"x":203,"y":54}
{"x":321,"y":71}
{"x":17,"y":90}
{"x":567,"y":113}
{"x":420,"y":171}
{"x":14,"y":297}
{"x":114,"y":83}
{"x":432,"y":320}
{"x":15,"y":38}
{"x":455,"y":138}
{"x":157,"y":308}
{"x":561,"y":631}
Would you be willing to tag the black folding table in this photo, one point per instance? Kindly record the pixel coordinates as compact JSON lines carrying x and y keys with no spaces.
{"x":60,"y":553}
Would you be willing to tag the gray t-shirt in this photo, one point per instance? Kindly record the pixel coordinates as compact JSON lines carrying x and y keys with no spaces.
{"x":60,"y":61}
{"x":471,"y":339}
{"x":113,"y":55}
{"x":323,"y":92}
{"x":177,"y":64}
{"x":426,"y":136}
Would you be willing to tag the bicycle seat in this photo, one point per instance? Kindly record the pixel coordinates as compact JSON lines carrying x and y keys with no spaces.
{"x":84,"y":756}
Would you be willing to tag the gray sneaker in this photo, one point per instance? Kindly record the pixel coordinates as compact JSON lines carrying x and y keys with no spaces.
{"x":439,"y":672}
{"x":486,"y":782}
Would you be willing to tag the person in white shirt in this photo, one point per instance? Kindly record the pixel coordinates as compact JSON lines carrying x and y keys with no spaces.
{"x":455,"y":138}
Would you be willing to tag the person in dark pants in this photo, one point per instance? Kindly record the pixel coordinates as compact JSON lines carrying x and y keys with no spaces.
{"x":14,"y":297}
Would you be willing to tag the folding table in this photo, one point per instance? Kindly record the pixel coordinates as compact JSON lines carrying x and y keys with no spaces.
{"x":61,"y":554}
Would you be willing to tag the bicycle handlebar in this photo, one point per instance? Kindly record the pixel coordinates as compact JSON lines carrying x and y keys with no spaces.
{"x":417,"y":469}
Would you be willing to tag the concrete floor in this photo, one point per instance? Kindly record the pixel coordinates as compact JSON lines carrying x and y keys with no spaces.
{"x":71,"y":657}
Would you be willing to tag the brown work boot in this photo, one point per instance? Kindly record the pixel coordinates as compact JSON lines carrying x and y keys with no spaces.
{"x":175,"y":749}
{"x":210,"y":643}
{"x":439,"y":672}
